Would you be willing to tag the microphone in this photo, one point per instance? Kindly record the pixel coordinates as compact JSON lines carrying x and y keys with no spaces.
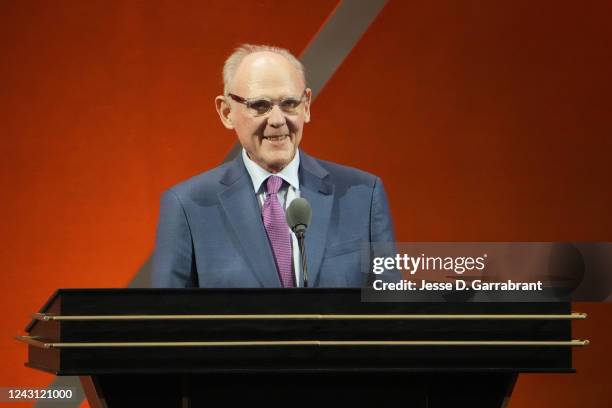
{"x":299,"y":215}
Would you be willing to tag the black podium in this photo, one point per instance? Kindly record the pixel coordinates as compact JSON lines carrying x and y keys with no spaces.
{"x":284,"y":347}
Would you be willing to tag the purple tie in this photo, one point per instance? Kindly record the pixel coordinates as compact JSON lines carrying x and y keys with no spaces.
{"x":278,"y":231}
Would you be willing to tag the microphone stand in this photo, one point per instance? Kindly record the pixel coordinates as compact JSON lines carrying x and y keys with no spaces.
{"x":301,"y":237}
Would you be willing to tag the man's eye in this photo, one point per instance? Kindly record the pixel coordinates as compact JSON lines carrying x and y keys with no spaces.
{"x":260,"y":106}
{"x":289,"y":104}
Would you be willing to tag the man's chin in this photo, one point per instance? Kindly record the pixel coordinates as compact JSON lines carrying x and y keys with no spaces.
{"x":276,"y":163}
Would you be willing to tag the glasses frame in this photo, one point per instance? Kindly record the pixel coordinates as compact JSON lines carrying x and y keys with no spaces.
{"x":274,"y":102}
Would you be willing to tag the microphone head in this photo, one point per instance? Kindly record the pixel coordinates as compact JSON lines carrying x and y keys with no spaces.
{"x":298,"y":215}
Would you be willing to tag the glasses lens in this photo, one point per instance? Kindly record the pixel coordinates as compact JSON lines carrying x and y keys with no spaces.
{"x":260,"y":106}
{"x":289,"y":105}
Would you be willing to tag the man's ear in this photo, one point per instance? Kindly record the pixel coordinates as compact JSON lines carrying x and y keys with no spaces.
{"x":307,"y":99}
{"x":224,"y":110}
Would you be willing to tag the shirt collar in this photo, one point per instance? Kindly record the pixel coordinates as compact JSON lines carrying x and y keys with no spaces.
{"x":259,"y":175}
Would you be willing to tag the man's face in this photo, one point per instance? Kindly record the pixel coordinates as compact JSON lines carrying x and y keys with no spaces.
{"x":271,"y":139}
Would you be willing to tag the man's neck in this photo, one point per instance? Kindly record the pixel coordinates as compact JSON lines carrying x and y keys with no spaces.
{"x":258,"y":174}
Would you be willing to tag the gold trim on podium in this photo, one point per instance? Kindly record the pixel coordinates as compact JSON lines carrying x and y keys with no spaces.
{"x":572,"y":316}
{"x":37,"y":342}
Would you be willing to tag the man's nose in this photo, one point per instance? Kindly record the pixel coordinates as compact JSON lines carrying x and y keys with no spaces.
{"x":276,"y":118}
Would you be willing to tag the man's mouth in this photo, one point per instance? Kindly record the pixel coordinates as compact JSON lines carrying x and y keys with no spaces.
{"x":278,"y":138}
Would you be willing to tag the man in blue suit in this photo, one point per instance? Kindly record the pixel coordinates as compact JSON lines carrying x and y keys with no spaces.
{"x":211,"y":231}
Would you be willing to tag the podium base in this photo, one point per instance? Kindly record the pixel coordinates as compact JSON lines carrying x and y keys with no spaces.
{"x":371,"y":389}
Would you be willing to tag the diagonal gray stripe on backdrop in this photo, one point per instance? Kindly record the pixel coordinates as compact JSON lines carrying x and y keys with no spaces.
{"x":325,"y":53}
{"x":337,"y":38}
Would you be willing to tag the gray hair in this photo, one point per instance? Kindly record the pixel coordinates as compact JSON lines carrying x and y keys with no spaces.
{"x":235,"y":59}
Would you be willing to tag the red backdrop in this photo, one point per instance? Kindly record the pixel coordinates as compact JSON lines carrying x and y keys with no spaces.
{"x":488,"y":121}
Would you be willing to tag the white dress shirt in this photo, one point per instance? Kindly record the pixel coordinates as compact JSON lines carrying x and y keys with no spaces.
{"x":288,"y":192}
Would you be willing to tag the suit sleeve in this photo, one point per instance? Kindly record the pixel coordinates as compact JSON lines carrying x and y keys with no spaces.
{"x":381,"y":225}
{"x":382,"y":235}
{"x":173,"y":259}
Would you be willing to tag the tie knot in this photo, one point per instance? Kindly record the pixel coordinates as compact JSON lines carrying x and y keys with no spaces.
{"x":273,"y":184}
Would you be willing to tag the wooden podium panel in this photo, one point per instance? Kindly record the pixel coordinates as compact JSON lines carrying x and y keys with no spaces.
{"x":189,"y":347}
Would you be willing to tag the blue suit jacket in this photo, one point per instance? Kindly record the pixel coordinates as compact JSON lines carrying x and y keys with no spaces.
{"x":211,"y":233}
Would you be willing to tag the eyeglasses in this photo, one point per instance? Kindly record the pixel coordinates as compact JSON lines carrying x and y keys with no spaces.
{"x":261,"y":106}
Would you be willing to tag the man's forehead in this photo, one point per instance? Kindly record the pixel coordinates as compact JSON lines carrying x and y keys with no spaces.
{"x":267,"y":72}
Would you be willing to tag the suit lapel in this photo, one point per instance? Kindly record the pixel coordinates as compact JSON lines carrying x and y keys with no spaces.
{"x":242,"y":210}
{"x":318,"y":191}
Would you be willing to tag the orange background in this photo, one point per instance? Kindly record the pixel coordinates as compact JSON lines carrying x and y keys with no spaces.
{"x":488,"y":121}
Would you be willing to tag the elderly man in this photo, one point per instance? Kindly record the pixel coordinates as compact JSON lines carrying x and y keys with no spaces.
{"x":226,"y":228}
